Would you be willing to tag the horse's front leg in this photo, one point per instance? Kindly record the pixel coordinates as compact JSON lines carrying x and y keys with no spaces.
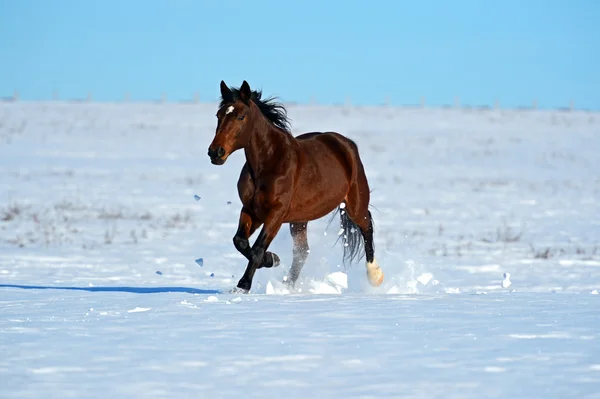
{"x":270,"y":229}
{"x":246,"y":227}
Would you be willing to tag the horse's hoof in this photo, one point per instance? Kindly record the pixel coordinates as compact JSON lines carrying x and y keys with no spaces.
{"x":288,"y":282}
{"x":374,"y":274}
{"x":275,"y":261}
{"x":375,"y":277}
{"x":270,"y":260}
{"x":238,"y":290}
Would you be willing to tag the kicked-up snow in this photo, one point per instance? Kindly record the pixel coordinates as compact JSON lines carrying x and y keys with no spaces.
{"x":116,"y":259}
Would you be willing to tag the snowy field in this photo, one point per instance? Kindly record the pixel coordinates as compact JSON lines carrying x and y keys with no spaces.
{"x":103,"y":293}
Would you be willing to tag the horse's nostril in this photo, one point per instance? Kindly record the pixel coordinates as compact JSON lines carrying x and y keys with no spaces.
{"x":220,"y":152}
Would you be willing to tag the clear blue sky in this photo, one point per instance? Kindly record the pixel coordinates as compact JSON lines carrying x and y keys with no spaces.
{"x":512,"y":50}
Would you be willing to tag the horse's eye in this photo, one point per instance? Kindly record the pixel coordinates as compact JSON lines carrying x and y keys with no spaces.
{"x":241,"y":117}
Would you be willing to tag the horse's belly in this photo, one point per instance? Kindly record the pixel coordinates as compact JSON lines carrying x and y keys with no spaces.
{"x":298,"y":215}
{"x":316,"y":197}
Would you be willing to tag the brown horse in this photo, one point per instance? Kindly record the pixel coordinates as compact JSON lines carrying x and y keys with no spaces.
{"x":289,"y":179}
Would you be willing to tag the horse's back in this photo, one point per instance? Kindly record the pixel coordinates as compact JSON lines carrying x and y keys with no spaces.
{"x":324,"y":136}
{"x":309,"y":135}
{"x":330,"y":143}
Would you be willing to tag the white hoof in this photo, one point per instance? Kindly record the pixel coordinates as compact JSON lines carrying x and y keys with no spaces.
{"x":374,"y":273}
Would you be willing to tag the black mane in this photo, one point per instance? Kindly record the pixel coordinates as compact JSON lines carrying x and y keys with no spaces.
{"x":270,"y":108}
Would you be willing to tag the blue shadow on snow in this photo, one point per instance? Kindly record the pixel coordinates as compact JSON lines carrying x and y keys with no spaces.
{"x":133,"y":290}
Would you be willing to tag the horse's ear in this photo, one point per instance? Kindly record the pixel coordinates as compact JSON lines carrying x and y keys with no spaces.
{"x":226,"y":93}
{"x":245,"y":92}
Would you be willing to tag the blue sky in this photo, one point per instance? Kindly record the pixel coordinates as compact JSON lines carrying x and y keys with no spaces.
{"x":511,"y":50}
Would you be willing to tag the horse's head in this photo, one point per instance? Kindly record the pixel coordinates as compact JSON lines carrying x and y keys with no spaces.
{"x":233,"y":123}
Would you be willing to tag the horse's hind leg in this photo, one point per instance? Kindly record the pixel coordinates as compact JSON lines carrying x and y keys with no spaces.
{"x":357,"y":210}
{"x":300,"y":251}
{"x":374,"y":272}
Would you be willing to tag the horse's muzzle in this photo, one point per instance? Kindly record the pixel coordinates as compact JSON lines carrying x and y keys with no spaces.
{"x":216,"y":155}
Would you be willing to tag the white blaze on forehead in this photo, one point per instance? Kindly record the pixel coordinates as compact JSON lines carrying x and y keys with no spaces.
{"x":229,"y":110}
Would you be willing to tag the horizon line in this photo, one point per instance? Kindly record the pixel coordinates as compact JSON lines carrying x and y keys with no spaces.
{"x":533,"y":106}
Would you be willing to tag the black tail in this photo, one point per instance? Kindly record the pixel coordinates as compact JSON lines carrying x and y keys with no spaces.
{"x":352,"y":237}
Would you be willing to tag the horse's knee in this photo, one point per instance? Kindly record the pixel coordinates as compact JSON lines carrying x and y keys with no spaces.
{"x":240,"y":243}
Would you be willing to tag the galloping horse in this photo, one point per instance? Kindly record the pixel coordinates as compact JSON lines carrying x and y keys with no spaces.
{"x":289,"y":179}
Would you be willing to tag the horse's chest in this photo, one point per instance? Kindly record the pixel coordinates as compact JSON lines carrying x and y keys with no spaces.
{"x":259,"y":205}
{"x":261,"y":197}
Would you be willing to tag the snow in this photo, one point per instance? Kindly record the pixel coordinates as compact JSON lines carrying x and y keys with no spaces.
{"x":506,"y":281}
{"x":116,"y":258}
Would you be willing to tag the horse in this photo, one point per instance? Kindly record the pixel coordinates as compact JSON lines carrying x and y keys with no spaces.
{"x":293,"y":180}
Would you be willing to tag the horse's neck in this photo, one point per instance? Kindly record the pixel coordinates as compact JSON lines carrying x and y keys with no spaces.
{"x":265,"y":148}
